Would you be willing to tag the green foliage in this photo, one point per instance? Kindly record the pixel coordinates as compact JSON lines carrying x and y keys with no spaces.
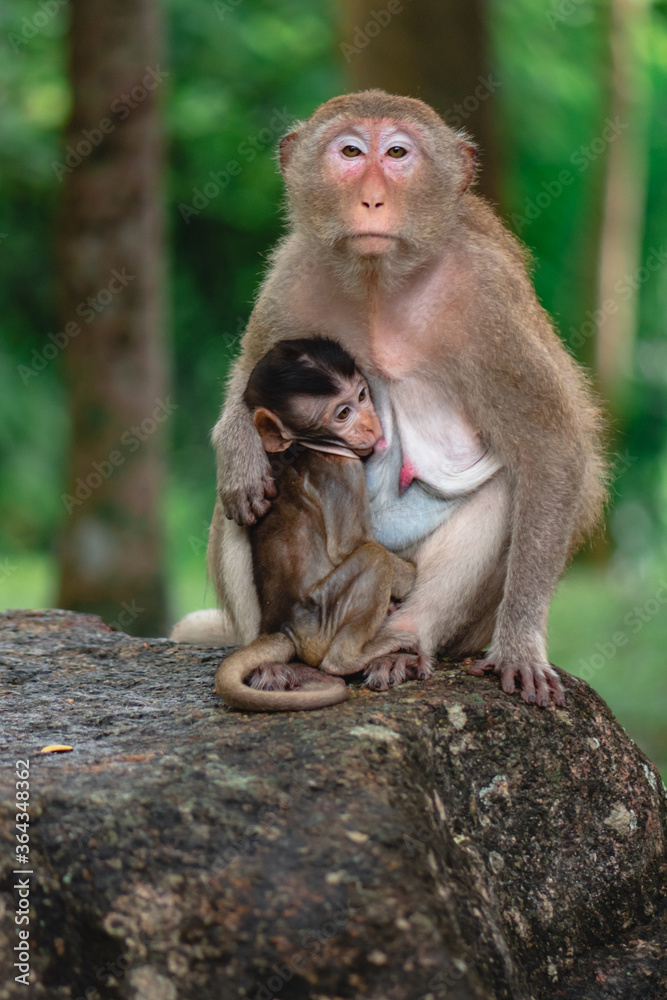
{"x":643,"y":498}
{"x":553,"y":61}
{"x":33,"y":105}
{"x":611,"y":629}
{"x":553,"y":100}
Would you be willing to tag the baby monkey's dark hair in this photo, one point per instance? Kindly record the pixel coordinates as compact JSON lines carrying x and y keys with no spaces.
{"x":308,"y":366}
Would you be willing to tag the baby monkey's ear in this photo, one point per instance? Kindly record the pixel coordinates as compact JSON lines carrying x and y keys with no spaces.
{"x":271,"y":429}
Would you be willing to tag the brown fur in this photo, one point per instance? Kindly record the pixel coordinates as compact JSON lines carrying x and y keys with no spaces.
{"x":449,"y":310}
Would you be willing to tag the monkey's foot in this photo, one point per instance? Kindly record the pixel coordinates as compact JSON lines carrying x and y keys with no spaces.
{"x":394,"y":668}
{"x":540,"y":684}
{"x":289,"y":677}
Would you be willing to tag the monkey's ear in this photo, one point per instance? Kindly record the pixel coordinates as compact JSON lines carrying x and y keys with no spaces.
{"x":271,"y":429}
{"x":470,"y":155}
{"x":286,"y":147}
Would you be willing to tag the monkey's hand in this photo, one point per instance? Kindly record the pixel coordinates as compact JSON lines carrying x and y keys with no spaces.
{"x":246,"y":504}
{"x":540,"y":684}
{"x":245,"y":483}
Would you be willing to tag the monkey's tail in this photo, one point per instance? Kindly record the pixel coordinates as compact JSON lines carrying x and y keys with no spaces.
{"x":276,"y":648}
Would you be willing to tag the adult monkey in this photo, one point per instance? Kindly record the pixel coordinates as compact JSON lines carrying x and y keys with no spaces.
{"x":493,"y":472}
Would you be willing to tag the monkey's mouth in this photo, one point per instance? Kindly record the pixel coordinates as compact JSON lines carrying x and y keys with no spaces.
{"x":364,"y":452}
{"x":372,"y":236}
{"x":372,"y":243}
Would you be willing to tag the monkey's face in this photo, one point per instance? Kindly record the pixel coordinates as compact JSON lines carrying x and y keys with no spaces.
{"x":372,"y":167}
{"x":348,"y":418}
{"x":376,"y":187}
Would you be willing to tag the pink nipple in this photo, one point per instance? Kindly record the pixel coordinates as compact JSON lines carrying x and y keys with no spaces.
{"x":408,"y":473}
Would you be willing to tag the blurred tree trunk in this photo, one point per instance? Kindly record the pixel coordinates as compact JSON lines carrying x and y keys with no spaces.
{"x":112,"y":264}
{"x":438,"y":52}
{"x":624,"y":202}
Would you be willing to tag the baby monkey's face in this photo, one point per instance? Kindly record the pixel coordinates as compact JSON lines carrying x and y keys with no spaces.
{"x":348,"y":418}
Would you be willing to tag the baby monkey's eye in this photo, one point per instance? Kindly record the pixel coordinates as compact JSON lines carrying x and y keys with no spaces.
{"x":343,"y":413}
{"x":362,"y":394}
{"x":350,"y":150}
{"x":397,"y":152}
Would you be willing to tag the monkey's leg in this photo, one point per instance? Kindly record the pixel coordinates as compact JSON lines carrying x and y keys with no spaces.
{"x":347,"y":652}
{"x":404,"y":574}
{"x":210,"y":627}
{"x":229,"y":561}
{"x":345,"y":610}
{"x":542,"y":528}
{"x":454,"y":565}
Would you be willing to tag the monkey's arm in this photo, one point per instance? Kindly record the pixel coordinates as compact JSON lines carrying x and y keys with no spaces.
{"x":245,"y":483}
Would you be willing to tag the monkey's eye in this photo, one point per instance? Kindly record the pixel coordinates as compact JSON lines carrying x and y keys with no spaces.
{"x":362,"y":395}
{"x":396,"y":152}
{"x":350,"y":151}
{"x":343,"y":413}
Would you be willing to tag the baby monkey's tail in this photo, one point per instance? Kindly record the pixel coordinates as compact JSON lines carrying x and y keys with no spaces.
{"x":308,"y":688}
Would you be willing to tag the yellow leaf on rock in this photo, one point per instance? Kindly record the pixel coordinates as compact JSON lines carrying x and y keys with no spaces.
{"x":56,"y":748}
{"x":357,"y":836}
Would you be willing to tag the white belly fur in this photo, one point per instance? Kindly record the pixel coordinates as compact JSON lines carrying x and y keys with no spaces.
{"x":442,"y":452}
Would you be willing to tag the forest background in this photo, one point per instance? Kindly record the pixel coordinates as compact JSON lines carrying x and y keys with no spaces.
{"x":568,"y":102}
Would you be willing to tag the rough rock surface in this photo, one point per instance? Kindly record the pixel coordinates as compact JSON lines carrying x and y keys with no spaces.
{"x":439,"y":840}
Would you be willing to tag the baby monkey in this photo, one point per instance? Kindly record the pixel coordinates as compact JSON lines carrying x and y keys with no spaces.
{"x":324,"y":585}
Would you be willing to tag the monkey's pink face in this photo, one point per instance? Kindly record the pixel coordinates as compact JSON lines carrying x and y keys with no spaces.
{"x":349,"y":418}
{"x":372,"y":163}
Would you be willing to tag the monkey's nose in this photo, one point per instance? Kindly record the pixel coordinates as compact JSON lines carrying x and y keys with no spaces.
{"x":372,"y":192}
{"x":371,"y":427}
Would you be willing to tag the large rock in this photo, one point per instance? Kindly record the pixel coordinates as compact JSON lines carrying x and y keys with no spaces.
{"x":439,"y":840}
